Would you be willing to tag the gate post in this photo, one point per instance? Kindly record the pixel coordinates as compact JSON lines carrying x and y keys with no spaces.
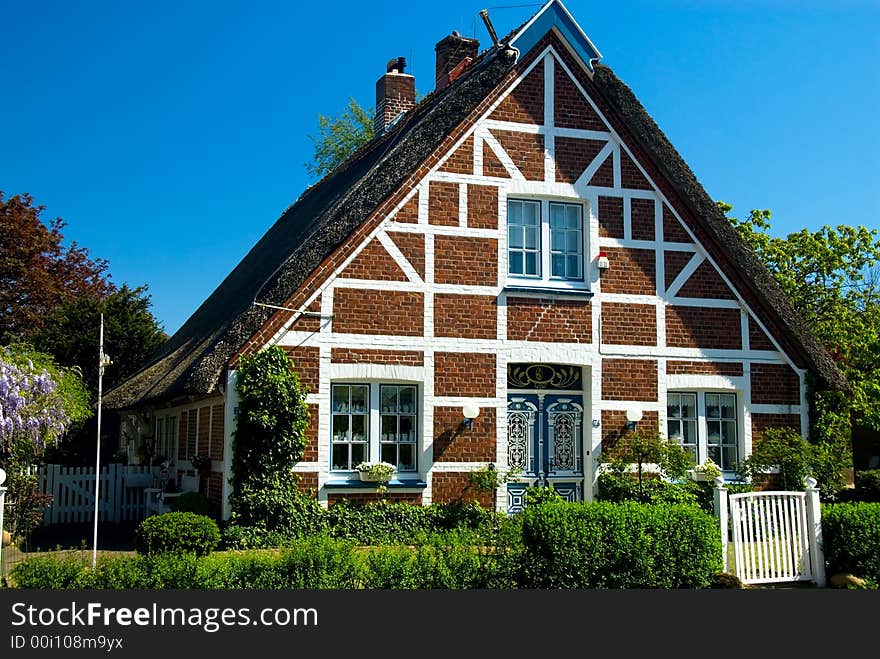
{"x":814,"y":524}
{"x":720,"y":506}
{"x":2,"y":504}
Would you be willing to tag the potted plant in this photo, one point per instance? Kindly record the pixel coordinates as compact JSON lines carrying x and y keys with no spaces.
{"x":201,"y":463}
{"x":708,"y":471}
{"x":375,"y":472}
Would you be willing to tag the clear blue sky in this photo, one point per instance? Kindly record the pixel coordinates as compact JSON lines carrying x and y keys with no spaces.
{"x":171,"y":134}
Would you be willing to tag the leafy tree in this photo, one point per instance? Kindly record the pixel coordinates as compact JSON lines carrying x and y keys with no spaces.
{"x":647,"y":447}
{"x":131,"y":334}
{"x":37,"y":272}
{"x":339,"y":137}
{"x":832,"y":278}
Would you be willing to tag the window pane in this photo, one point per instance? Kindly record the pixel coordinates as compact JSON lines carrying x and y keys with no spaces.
{"x":715,"y":455}
{"x":557,"y":268}
{"x":713,"y":408}
{"x":673,"y":430}
{"x":359,"y":399}
{"x":573,"y":242}
{"x":407,"y":429}
{"x":729,"y":457}
{"x":389,"y":453}
{"x":557,"y":216}
{"x":531,"y":213}
{"x":573,"y":214}
{"x":514,"y":212}
{"x":531,"y":263}
{"x":359,"y":453}
{"x":407,"y":461}
{"x":673,"y":401}
{"x":340,"y":456}
{"x":532,"y":239}
{"x":516,"y":263}
{"x":340,"y":398}
{"x":340,"y":428}
{"x":407,"y":398}
{"x":557,"y":241}
{"x":689,"y":432}
{"x":688,"y":404}
{"x":728,"y":432}
{"x":728,"y":406}
{"x":389,"y":428}
{"x":359,"y":428}
{"x":573,"y":267}
{"x":389,"y":399}
{"x":515,"y":237}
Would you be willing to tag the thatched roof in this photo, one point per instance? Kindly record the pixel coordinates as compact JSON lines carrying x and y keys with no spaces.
{"x":192,"y":361}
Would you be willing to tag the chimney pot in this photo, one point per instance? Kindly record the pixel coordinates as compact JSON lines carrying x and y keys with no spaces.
{"x":395,"y":94}
{"x":454,"y":53}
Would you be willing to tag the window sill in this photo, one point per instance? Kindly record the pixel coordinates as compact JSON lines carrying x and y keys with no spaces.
{"x":518,"y":290}
{"x":394,"y":483}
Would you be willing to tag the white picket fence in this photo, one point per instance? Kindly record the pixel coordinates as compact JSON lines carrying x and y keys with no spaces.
{"x":777,"y":536}
{"x":72,"y":489}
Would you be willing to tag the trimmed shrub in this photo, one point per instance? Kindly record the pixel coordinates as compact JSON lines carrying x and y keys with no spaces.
{"x":192,"y":502}
{"x":851,"y":535}
{"x":46,"y":572}
{"x":626,"y":545}
{"x":177,"y":533}
{"x":868,"y":485}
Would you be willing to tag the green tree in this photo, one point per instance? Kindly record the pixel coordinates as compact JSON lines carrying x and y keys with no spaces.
{"x":832,"y":278}
{"x":37,"y":272}
{"x":131,"y":334}
{"x":339,"y":137}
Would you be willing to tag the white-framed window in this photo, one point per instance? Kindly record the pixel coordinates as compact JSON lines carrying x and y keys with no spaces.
{"x":706,"y":423}
{"x":546,"y":242}
{"x":165,"y":443}
{"x":374,"y":422}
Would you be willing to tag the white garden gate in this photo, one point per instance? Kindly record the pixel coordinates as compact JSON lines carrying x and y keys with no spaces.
{"x":776,"y":536}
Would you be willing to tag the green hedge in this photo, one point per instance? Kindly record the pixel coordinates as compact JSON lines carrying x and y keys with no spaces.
{"x":627,"y":545}
{"x":851,"y":535}
{"x":868,"y":485}
{"x":192,"y":502}
{"x":177,"y":533}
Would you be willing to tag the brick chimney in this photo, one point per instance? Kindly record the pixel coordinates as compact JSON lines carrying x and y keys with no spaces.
{"x":395,"y":94}
{"x":454,"y":54}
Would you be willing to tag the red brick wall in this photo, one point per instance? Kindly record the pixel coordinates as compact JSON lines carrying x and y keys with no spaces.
{"x":531,"y":319}
{"x":456,"y":487}
{"x":761,"y":422}
{"x":204,"y":430}
{"x":674,"y":263}
{"x":705,"y":282}
{"x":629,"y":324}
{"x":308,"y":323}
{"x":525,"y":150}
{"x":462,"y":159}
{"x":409,"y":212}
{"x":182,"y":437}
{"x":673,"y":232}
{"x":698,"y":327}
{"x":704,"y":368}
{"x":613,"y":426}
{"x":443,"y":203}
{"x":630,"y":175}
{"x":642,"y":219}
{"x":466,"y":316}
{"x":757,"y":339}
{"x":307,"y":365}
{"x":464,"y":374}
{"x":525,"y":104}
{"x":370,"y":356}
{"x":629,"y":379}
{"x":412,"y":246}
{"x":311,"y":451}
{"x":573,"y":156}
{"x":610,"y":217}
{"x":452,"y":443}
{"x":570,"y":108}
{"x":378,"y":312}
{"x":632,"y":271}
{"x":307,"y":482}
{"x":491,"y":165}
{"x":482,"y":206}
{"x":775,"y":384}
{"x":375,"y":263}
{"x":604,"y":176}
{"x":465,"y":261}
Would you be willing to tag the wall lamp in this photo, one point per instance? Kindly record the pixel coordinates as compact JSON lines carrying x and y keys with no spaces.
{"x":470,"y":412}
{"x":633,"y":416}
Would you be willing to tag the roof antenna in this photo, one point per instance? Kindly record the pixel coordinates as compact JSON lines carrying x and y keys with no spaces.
{"x":484,"y":14}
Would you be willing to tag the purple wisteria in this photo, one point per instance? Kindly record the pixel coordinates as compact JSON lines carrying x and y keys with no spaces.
{"x":31,"y":410}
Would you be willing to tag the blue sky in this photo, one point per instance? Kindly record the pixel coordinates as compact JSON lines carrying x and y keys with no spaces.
{"x":170,"y":135}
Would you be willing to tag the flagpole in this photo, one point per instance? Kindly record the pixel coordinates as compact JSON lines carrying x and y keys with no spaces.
{"x":102,"y":362}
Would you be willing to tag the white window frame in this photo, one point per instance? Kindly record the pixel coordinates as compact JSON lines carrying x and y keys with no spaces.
{"x":374,"y":423}
{"x":166,"y":437}
{"x":703,"y":420}
{"x":544,"y":278}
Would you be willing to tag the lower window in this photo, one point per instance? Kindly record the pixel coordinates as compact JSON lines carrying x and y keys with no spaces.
{"x":373,"y":423}
{"x":705,"y":423}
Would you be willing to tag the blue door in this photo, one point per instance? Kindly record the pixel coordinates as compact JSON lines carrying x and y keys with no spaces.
{"x":545,"y":443}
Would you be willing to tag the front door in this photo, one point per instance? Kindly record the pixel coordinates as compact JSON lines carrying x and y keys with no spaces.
{"x":545,"y":444}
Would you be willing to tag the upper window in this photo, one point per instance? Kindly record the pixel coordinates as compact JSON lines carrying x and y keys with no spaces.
{"x":706,"y":425}
{"x":545,"y":241}
{"x":373,"y":423}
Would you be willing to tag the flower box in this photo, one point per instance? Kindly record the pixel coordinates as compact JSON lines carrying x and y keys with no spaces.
{"x":375,"y":473}
{"x":369,"y":478}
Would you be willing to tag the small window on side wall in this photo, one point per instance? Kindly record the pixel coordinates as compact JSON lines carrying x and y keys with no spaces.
{"x":706,"y":424}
